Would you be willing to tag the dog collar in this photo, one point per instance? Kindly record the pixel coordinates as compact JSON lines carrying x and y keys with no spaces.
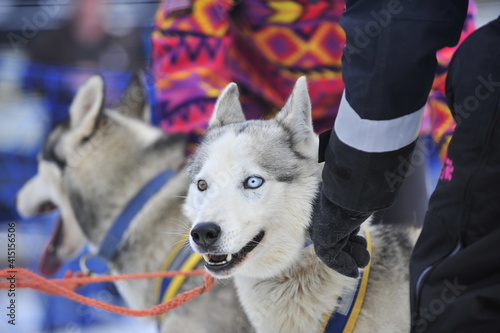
{"x":112,"y":239}
{"x":344,"y":316}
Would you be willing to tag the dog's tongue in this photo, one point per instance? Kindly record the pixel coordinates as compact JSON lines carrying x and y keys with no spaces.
{"x":49,"y":262}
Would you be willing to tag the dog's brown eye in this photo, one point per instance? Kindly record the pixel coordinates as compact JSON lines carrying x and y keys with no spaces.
{"x":202,"y":185}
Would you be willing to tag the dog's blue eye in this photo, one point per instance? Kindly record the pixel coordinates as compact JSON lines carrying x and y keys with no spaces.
{"x":253,"y":182}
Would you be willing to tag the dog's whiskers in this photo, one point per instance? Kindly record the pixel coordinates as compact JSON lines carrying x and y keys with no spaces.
{"x":181,"y":223}
{"x":180,"y":243}
{"x":172,"y":233}
{"x":186,"y":246}
{"x":176,"y":196}
{"x":224,"y":282}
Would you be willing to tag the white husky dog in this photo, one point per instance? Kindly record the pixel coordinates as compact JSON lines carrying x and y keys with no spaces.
{"x":90,"y":168}
{"x":252,"y":188}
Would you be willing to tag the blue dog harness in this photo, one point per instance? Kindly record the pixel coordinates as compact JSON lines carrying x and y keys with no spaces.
{"x":181,"y":258}
{"x":111,"y":241}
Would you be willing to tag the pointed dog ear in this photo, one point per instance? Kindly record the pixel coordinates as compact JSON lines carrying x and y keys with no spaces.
{"x":227,"y":109}
{"x":296,"y":115}
{"x":88,"y":105}
{"x":297,"y":111}
{"x":133,"y":102}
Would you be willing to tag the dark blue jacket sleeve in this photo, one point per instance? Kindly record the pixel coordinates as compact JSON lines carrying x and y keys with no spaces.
{"x":388,"y":66}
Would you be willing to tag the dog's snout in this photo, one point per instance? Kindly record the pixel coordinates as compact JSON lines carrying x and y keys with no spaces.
{"x":205,"y":234}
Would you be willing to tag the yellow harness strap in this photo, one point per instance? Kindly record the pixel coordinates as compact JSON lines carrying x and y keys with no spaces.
{"x":181,"y":258}
{"x":328,"y":325}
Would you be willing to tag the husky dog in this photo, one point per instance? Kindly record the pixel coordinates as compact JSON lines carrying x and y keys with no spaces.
{"x":251,"y":193}
{"x":90,"y":168}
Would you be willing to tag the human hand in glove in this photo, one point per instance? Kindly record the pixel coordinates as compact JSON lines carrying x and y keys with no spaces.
{"x":334,"y":235}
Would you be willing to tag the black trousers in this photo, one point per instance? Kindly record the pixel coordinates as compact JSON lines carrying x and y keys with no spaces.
{"x":455,"y":267}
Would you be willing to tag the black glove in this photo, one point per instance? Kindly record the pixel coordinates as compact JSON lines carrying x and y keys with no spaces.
{"x":334,"y":234}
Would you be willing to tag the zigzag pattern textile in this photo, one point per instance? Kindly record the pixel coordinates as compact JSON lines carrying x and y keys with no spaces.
{"x":263,"y":46}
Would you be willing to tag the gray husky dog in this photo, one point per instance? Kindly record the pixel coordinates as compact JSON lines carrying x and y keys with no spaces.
{"x":92,"y":168}
{"x":251,"y":193}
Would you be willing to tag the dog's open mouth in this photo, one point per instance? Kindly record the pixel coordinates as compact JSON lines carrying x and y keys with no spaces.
{"x":220,"y":262}
{"x":49,"y":262}
{"x":46,"y":207}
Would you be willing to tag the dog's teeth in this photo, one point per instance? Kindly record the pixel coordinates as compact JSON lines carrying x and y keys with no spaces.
{"x":206,"y":257}
{"x":229,"y":257}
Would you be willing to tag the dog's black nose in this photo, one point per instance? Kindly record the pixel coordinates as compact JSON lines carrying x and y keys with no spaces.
{"x":205,"y":234}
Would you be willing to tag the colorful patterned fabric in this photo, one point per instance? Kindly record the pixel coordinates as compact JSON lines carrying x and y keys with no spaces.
{"x":263,"y":46}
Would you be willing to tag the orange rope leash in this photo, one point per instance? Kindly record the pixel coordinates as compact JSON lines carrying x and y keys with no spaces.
{"x":65,"y":287}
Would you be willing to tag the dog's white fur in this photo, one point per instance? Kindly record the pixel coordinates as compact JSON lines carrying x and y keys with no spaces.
{"x":283,"y":286}
{"x":110,"y":155}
